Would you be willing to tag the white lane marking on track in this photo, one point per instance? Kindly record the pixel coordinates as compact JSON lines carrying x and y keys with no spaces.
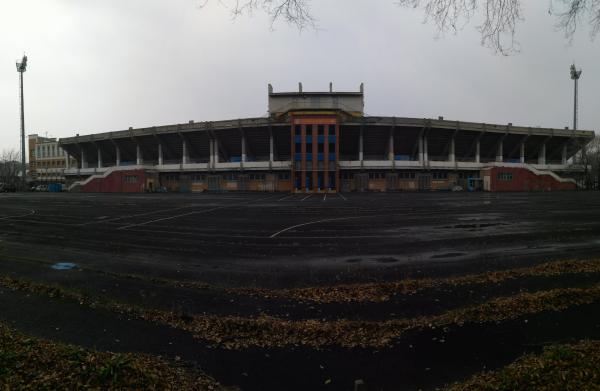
{"x":286,"y":197}
{"x":194,"y":212}
{"x":316,"y":222}
{"x":344,"y":198}
{"x":195,"y":234}
{"x":333,"y":219}
{"x":136,"y":215}
{"x":308,"y":196}
{"x":172,"y":217}
{"x":325,"y":197}
{"x":31,"y":212}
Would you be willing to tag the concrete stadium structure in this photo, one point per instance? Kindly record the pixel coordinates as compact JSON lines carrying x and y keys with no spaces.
{"x":323,"y":142}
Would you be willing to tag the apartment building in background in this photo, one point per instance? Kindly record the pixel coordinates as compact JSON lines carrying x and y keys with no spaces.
{"x":47,"y":160}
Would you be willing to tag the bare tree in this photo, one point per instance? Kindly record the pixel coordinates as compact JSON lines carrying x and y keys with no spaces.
{"x":501,"y":17}
{"x":498,"y":18}
{"x":589,"y":158}
{"x":294,"y":12}
{"x":10,"y":168}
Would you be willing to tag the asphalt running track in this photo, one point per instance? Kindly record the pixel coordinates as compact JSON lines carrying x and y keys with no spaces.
{"x":281,"y":239}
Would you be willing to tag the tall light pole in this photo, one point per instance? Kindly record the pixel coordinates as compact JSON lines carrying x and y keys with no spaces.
{"x":575,"y":74}
{"x":21,"y":68}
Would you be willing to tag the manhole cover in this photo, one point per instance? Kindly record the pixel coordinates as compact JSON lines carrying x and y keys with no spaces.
{"x":63,"y":266}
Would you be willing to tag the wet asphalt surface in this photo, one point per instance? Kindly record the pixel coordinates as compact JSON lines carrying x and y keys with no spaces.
{"x":278,"y":240}
{"x":281,"y":241}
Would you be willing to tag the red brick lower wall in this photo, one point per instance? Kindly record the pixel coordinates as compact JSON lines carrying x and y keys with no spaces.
{"x":115,"y":183}
{"x":524,"y":179}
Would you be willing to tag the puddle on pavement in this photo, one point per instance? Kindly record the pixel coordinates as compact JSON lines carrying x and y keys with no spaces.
{"x":353,"y":260}
{"x":386,"y":260}
{"x":448,"y":255}
{"x":64,"y":266}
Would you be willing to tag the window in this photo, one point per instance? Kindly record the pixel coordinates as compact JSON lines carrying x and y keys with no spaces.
{"x":284,"y":175}
{"x":321,"y":130}
{"x":439,"y":175}
{"x":130,"y":178}
{"x":505,"y":176}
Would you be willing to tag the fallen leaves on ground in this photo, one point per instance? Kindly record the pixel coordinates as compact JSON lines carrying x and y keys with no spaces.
{"x":34,"y":364}
{"x":233,"y":332}
{"x":558,"y":368}
{"x":379,"y":292}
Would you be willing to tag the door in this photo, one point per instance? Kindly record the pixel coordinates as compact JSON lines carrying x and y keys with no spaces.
{"x":362,"y":182}
{"x":271,"y":182}
{"x":214,"y":183}
{"x":424,"y":182}
{"x":243,"y":182}
{"x":391,"y":182}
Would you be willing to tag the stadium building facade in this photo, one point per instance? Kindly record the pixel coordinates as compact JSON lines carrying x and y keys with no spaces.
{"x":323,"y":142}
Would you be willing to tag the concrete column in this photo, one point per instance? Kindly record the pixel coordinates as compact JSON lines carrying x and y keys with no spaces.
{"x":139,"y":160}
{"x":360,"y":147}
{"x":118,"y":155}
{"x":451,"y":154}
{"x":271,"y":149}
{"x":425,"y":150}
{"x":211,"y":154}
{"x":477,"y":151}
{"x":542,"y":155}
{"x":216,"y":150}
{"x":99,"y":158}
{"x":391,"y":146}
{"x":84,"y":163}
{"x":421,"y":149}
{"x":303,"y":155}
{"x":185,"y":157}
{"x":522,"y":153}
{"x":160,"y":154}
{"x":315,"y":161}
{"x":326,"y":157}
{"x":243,"y":148}
{"x":67,"y":161}
{"x":564,"y":155}
{"x":500,"y":152}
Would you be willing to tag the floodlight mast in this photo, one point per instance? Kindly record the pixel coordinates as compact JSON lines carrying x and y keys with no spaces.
{"x":21,"y":68}
{"x":575,"y":75}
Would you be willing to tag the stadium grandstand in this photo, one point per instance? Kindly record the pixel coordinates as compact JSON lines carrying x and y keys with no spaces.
{"x":323,"y":142}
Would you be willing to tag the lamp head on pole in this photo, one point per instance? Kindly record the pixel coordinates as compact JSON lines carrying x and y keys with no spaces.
{"x":575,"y":74}
{"x":22,"y":66}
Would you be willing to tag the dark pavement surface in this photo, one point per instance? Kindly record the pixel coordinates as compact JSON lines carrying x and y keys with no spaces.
{"x":280,"y":240}
{"x":120,"y":242}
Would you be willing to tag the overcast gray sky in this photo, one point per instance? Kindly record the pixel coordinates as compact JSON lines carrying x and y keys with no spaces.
{"x":105,"y":65}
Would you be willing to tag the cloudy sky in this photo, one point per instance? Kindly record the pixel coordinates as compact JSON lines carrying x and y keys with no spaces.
{"x":105,"y":65}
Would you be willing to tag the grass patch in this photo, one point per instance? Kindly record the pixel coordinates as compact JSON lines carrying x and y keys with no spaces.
{"x":557,"y":368}
{"x":34,"y":364}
